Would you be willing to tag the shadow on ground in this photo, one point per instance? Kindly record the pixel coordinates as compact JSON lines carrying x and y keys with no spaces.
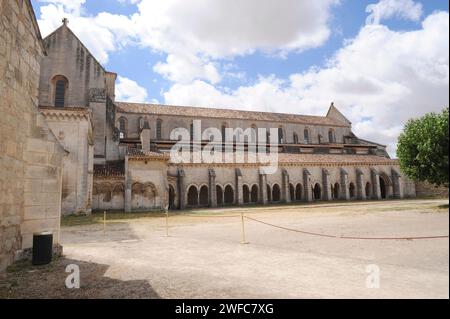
{"x":25,"y":281}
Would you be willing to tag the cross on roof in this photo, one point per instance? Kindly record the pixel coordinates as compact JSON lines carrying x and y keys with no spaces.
{"x":65,"y":21}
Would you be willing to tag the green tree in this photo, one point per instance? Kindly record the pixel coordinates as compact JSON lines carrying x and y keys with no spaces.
{"x":423,"y":148}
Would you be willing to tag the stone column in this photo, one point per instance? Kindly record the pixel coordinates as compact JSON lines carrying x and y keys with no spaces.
{"x":263,"y":188}
{"x":397,"y":184}
{"x":181,"y":188}
{"x":286,"y":195}
{"x":360,"y":189}
{"x":344,"y":185}
{"x":326,"y":184}
{"x":307,"y":185}
{"x":212,"y":188}
{"x":239,"y":190}
{"x":128,"y":186}
{"x":376,"y":191}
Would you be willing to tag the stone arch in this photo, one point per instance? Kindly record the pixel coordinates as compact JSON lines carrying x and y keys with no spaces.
{"x":105,"y":189}
{"x":368,"y":190}
{"x":219,"y":195}
{"x":143,"y":196}
{"x":246,"y":194}
{"x":385,"y":186}
{"x":317,"y":192}
{"x":102,"y":196}
{"x":192,"y":196}
{"x":228,"y":195}
{"x":352,"y":191}
{"x":336,"y":190}
{"x":298,"y":192}
{"x":60,"y":88}
{"x":254,"y":194}
{"x":204,"y":196}
{"x":118,"y":196}
{"x":276,"y":193}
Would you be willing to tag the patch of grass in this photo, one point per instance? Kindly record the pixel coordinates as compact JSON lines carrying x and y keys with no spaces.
{"x":97,"y":217}
{"x":19,"y":266}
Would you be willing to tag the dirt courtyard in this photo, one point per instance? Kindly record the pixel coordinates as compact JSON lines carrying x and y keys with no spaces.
{"x":203,"y":256}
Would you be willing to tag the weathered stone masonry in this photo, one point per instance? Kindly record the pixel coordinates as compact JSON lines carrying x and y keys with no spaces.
{"x":30,"y":156}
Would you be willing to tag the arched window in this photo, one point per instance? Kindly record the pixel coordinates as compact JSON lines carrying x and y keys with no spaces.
{"x":280,"y":135}
{"x":319,"y":138}
{"x":331,"y":136}
{"x":123,"y":127}
{"x":295,"y":136}
{"x":61,"y":85}
{"x":306,"y":136}
{"x":223,"y":131}
{"x":254,"y":134}
{"x":141,"y":123}
{"x":158,"y":129}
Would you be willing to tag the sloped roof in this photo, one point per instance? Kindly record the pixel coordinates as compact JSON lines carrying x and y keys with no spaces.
{"x":110,"y":169}
{"x":190,"y":111}
{"x":334,"y":159}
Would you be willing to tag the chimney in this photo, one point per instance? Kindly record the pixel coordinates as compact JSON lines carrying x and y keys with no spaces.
{"x":145,"y":136}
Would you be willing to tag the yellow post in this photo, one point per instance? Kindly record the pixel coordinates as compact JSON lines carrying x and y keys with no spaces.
{"x":167,"y":223}
{"x":243,"y":242}
{"x":104,"y":222}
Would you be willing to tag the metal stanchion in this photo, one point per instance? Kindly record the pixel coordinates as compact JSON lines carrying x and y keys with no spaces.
{"x":167,"y":223}
{"x":104,"y":222}
{"x":243,"y":241}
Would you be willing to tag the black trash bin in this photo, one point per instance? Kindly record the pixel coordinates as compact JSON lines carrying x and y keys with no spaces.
{"x":42,"y":248}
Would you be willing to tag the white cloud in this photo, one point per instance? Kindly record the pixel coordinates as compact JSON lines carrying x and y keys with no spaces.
{"x":386,"y":9}
{"x":101,"y":34}
{"x":379,"y":79}
{"x":186,"y":68}
{"x":195,"y":33}
{"x":129,"y":91}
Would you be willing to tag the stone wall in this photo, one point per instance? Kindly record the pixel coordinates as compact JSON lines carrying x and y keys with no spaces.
{"x":30,"y":157}
{"x":424,"y":189}
{"x":170,"y":123}
{"x":74,"y":132}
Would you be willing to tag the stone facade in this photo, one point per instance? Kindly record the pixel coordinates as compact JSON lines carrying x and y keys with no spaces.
{"x":30,"y":156}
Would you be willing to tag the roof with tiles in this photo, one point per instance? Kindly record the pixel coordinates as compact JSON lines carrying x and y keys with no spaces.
{"x":110,"y":169}
{"x":139,"y":153}
{"x":191,"y":111}
{"x":285,"y":158}
{"x":333,"y":159}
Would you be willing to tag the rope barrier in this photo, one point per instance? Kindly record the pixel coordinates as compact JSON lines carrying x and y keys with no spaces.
{"x":344,"y":237}
{"x":210,"y":216}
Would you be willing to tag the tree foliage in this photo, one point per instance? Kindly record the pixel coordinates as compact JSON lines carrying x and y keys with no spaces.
{"x":423,"y":148}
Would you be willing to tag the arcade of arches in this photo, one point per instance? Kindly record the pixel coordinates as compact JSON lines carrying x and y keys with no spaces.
{"x":226,"y":195}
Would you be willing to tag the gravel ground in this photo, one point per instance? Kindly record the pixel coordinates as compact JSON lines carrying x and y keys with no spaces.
{"x":203,"y":256}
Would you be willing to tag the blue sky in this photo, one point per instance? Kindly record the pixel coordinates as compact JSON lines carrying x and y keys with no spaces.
{"x":285,"y":56}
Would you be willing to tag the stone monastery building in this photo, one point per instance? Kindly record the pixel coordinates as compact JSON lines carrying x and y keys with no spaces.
{"x":119,"y":153}
{"x":69,"y":147}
